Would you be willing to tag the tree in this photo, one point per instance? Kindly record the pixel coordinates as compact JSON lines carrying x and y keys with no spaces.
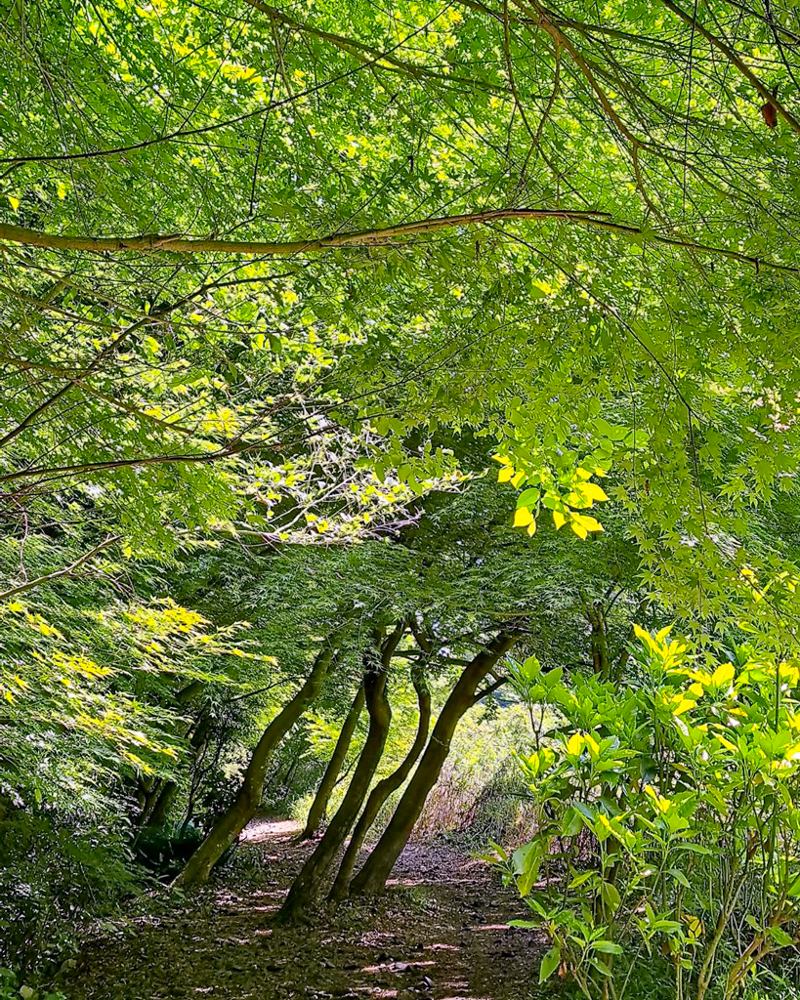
{"x":248,"y":798}
{"x":319,"y":807}
{"x":376,"y":869}
{"x":382,"y":323}
{"x":280,"y":283}
{"x":384,"y":788}
{"x":305,"y":887}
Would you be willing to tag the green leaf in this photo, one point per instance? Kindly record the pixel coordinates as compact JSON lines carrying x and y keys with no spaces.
{"x":571,"y":823}
{"x":550,"y":963}
{"x":678,"y":875}
{"x":528,"y":498}
{"x":780,"y":936}
{"x":610,"y":896}
{"x":601,"y":966}
{"x":609,"y":947}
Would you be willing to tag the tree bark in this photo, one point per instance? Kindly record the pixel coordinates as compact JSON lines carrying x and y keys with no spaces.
{"x":376,"y":869}
{"x":305,"y":888}
{"x":230,"y":825}
{"x":166,"y":796}
{"x":163,"y":804}
{"x":158,"y":801}
{"x":381,"y":792}
{"x":599,"y":639}
{"x":319,"y":807}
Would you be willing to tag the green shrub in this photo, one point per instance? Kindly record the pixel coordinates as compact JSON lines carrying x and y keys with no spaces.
{"x":56,"y":871}
{"x":667,"y":826}
{"x":11,"y":990}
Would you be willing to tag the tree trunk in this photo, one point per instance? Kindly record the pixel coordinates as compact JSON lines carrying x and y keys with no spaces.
{"x":166,"y":796}
{"x":381,"y":792}
{"x":159,"y":799}
{"x":305,"y":888}
{"x":230,"y":825}
{"x":319,"y":807}
{"x":376,"y":869}
{"x":163,"y":804}
{"x":599,"y":639}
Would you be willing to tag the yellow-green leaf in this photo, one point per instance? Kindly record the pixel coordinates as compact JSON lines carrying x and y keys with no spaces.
{"x":723,"y":675}
{"x":592,"y":491}
{"x":575,"y":744}
{"x":522,"y":518}
{"x":578,"y":528}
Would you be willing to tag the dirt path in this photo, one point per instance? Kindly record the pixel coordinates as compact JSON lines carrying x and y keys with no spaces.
{"x":439,"y":934}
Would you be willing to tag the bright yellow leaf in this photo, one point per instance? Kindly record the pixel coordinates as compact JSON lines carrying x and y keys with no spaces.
{"x":723,"y":675}
{"x":578,"y":528}
{"x":575,"y":744}
{"x":588,"y":523}
{"x":522,"y":517}
{"x":592,"y":491}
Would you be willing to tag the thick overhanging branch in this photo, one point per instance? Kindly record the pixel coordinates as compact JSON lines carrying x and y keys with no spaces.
{"x":368,"y":237}
{"x":382,"y":236}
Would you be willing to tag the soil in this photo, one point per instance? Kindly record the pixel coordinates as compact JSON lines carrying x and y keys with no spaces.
{"x":439,"y":933}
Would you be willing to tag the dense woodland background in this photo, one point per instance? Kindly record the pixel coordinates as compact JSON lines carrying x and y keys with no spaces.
{"x":399,"y":433}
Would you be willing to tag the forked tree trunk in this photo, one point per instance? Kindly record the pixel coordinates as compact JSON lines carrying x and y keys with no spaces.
{"x":305,"y":888}
{"x":230,"y":825}
{"x":381,"y":792}
{"x":319,"y":807}
{"x":376,"y":869}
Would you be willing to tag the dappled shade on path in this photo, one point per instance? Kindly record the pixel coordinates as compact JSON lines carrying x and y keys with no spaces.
{"x":440,"y":933}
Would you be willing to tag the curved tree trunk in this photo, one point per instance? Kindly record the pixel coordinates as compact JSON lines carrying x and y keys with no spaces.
{"x":305,"y":887}
{"x":381,"y":792}
{"x":376,"y":869}
{"x":319,"y":807}
{"x":230,"y":825}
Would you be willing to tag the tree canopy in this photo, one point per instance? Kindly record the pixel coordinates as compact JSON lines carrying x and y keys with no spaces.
{"x":358,"y":354}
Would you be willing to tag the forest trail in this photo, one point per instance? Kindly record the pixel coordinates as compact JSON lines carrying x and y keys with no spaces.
{"x":440,"y":933}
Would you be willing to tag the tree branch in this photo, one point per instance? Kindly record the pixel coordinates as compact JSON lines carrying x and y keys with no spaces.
{"x":479,"y":695}
{"x":67,"y":571}
{"x":736,"y":60}
{"x":384,"y":236}
{"x":360,"y":51}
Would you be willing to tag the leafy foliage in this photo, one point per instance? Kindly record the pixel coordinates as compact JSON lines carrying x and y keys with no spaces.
{"x":667,"y":820}
{"x":277,"y":281}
